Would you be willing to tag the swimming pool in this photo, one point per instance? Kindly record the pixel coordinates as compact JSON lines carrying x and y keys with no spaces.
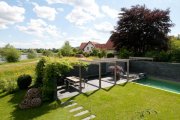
{"x":168,"y":86}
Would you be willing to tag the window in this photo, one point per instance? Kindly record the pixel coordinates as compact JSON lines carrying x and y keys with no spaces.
{"x":87,"y":48}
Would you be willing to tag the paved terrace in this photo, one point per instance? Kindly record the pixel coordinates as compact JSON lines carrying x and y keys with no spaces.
{"x":90,"y":85}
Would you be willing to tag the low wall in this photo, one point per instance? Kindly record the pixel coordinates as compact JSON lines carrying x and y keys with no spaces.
{"x":93,"y":70}
{"x":167,"y":71}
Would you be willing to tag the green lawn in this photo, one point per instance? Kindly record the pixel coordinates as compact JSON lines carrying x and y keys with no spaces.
{"x":129,"y":102}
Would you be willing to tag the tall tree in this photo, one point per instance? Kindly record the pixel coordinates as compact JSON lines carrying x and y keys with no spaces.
{"x":66,"y":50}
{"x":140,"y":29}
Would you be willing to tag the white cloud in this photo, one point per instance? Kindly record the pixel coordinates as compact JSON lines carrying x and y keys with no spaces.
{"x":39,"y":28}
{"x":45,"y":12}
{"x":104,"y":27}
{"x":113,"y":13}
{"x":10,"y":14}
{"x":83,"y":11}
{"x":78,"y":16}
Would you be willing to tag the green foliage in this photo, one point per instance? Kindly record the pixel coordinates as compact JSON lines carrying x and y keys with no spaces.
{"x":95,"y":52}
{"x":124,"y":53}
{"x":67,"y":50}
{"x":24,"y":81}
{"x":47,"y":53}
{"x":86,"y":54}
{"x":32,"y":54}
{"x":140,"y":29}
{"x":10,"y":54}
{"x":104,"y":53}
{"x":53,"y":72}
{"x":40,"y":71}
{"x":59,"y":54}
{"x":7,"y":86}
{"x":49,"y":70}
{"x":110,"y":55}
{"x":161,"y":56}
{"x":175,"y":55}
{"x":9,"y":73}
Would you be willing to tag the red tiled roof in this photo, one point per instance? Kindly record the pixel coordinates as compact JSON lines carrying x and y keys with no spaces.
{"x":82,"y":46}
{"x":107,"y":46}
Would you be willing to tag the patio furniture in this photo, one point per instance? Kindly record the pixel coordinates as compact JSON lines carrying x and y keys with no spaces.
{"x":74,"y":81}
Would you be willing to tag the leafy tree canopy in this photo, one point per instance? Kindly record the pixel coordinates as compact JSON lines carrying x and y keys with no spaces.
{"x":140,"y":29}
{"x":10,"y":54}
{"x":66,"y":50}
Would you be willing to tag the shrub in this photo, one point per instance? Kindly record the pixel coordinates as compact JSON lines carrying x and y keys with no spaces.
{"x":24,"y":81}
{"x":95,"y":52}
{"x":53,"y":72}
{"x":10,"y":54}
{"x":8,"y":85}
{"x":86,"y":54}
{"x":47,"y":53}
{"x":32,"y":54}
{"x":159,"y":56}
{"x":59,"y":54}
{"x":175,"y":55}
{"x":124,"y":53}
{"x":40,"y":71}
{"x":110,"y":55}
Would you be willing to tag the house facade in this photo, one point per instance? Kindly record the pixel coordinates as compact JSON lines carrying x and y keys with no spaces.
{"x":89,"y":46}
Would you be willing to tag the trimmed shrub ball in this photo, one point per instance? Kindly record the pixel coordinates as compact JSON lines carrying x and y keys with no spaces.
{"x":24,"y":81}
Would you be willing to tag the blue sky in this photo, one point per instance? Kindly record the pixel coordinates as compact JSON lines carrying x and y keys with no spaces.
{"x":49,"y":23}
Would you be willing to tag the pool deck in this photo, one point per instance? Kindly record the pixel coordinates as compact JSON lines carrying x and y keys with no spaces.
{"x":90,"y":85}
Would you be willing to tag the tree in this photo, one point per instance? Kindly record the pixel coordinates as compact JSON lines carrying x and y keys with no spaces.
{"x":66,"y":50}
{"x":140,"y":29}
{"x":47,"y":53}
{"x":10,"y":54}
{"x":32,"y":54}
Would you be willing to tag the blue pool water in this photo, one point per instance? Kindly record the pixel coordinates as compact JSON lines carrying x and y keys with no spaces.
{"x":172,"y":87}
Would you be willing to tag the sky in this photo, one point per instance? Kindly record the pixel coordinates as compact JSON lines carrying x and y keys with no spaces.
{"x":49,"y":23}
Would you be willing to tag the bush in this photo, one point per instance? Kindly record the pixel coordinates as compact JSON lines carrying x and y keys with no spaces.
{"x":124,"y":53}
{"x":59,"y":54}
{"x":8,"y":85}
{"x":53,"y":72}
{"x":110,"y":55}
{"x":32,"y":54}
{"x":40,"y":72}
{"x":86,"y":54}
{"x":47,"y":53}
{"x":24,"y":81}
{"x":175,"y":55}
{"x":10,"y":54}
{"x":95,"y":52}
{"x":159,"y":56}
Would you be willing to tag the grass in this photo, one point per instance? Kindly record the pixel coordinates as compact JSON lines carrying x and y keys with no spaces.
{"x":131,"y":101}
{"x":176,"y":42}
{"x":10,"y":71}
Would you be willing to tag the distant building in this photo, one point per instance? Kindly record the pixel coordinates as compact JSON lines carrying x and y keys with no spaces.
{"x":89,"y":46}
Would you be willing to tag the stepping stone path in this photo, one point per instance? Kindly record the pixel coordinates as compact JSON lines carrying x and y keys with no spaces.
{"x":89,"y":117}
{"x":76,"y":109}
{"x":71,"y":105}
{"x":79,"y":108}
{"x":81,"y":113}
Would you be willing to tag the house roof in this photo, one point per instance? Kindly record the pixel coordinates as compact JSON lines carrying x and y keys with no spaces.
{"x":82,"y":46}
{"x":107,"y":46}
